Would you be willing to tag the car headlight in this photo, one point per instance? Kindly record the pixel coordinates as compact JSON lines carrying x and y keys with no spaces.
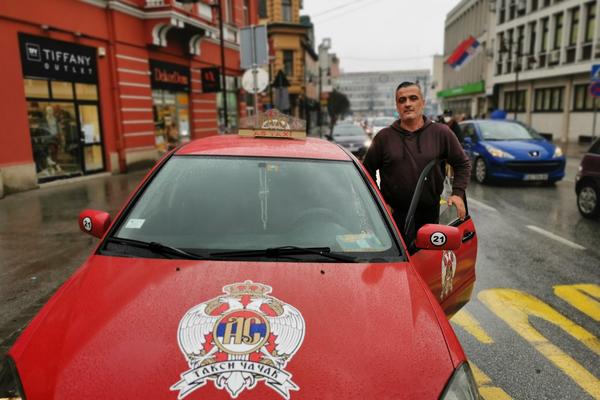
{"x":557,"y":152}
{"x":461,"y":386}
{"x":10,"y":385}
{"x":367,"y":143}
{"x":495,"y":152}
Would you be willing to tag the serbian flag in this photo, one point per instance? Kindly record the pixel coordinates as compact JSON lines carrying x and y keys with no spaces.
{"x":463,"y":53}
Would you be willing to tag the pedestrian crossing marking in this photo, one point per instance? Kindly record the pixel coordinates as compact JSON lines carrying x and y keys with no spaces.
{"x":514,"y":307}
{"x":465,"y":320}
{"x":581,"y":297}
{"x":484,"y":383}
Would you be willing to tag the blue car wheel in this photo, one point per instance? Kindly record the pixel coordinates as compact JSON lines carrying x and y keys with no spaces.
{"x":481,"y":170}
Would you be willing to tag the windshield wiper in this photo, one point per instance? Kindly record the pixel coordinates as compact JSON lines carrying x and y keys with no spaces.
{"x":155,"y":247}
{"x":275,"y":252}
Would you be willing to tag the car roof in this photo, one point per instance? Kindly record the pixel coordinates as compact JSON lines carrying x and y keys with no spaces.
{"x":234,"y":145}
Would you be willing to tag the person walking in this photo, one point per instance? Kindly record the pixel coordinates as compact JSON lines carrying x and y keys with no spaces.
{"x":453,"y":124}
{"x":401,"y":151}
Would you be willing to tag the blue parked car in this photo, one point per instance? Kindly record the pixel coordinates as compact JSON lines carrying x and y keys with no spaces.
{"x":510,"y":150}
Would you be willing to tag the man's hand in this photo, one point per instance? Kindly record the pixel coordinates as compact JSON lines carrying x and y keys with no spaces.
{"x":458,"y":202}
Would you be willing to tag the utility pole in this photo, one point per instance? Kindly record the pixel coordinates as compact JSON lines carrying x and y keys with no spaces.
{"x":223,"y":77}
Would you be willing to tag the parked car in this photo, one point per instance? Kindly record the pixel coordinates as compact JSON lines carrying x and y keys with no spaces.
{"x":264,"y":268}
{"x":509,"y":150}
{"x":381,"y":122}
{"x":352,"y":137}
{"x":587,"y":184}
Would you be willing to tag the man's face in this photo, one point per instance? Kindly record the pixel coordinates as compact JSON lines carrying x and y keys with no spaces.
{"x":409,"y":103}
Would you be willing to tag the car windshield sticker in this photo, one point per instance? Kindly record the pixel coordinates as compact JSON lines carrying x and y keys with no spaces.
{"x":437,"y":239}
{"x":239,"y":338}
{"x":448,"y":271}
{"x":359,"y":242}
{"x":135,"y":223}
{"x":87,"y":224}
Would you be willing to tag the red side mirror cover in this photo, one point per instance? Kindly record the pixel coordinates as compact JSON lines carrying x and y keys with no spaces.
{"x":438,"y":237}
{"x":94,"y":222}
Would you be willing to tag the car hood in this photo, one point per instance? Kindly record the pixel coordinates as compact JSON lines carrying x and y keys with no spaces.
{"x":370,"y":330}
{"x":521,"y":148}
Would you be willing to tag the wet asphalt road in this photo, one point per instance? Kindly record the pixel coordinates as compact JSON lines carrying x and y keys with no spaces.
{"x":41,"y":245}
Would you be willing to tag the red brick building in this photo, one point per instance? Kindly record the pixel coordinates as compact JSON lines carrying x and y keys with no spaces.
{"x":102,"y":85}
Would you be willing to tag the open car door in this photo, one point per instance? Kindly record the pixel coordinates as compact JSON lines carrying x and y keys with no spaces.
{"x":450,"y":274}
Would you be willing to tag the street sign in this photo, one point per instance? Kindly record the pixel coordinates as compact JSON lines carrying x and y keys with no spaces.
{"x":595,"y":89}
{"x":595,"y":72}
{"x":262,"y":80}
{"x":211,"y":79}
{"x":253,"y":46}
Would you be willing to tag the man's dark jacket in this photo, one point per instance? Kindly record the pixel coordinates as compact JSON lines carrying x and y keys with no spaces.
{"x":400,"y":156}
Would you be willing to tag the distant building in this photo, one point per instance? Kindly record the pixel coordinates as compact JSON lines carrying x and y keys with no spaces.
{"x":552,"y":45}
{"x":372,"y":93}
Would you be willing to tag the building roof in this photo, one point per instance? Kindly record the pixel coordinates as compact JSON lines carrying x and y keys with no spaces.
{"x":234,"y":145}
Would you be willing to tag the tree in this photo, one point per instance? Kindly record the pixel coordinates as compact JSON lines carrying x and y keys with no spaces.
{"x":337,"y":106}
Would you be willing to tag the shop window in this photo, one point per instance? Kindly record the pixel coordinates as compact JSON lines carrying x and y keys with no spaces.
{"x":36,"y":88}
{"x":61,"y":90}
{"x":85,"y":91}
{"x":583,"y":100}
{"x":171,"y":119}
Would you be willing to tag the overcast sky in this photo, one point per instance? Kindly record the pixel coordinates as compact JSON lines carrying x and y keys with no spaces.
{"x":381,"y":35}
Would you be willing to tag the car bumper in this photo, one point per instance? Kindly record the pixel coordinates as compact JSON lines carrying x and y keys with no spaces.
{"x":541,"y":170}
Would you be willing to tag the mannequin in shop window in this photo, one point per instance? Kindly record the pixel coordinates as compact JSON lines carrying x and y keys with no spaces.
{"x":172,"y":136}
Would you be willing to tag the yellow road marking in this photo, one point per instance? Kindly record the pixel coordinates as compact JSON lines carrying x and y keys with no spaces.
{"x":465,"y":320}
{"x":579,"y":297}
{"x":514,"y":307}
{"x":486,"y":390}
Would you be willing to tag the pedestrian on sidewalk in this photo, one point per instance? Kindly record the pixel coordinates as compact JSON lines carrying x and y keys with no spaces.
{"x":401,"y":151}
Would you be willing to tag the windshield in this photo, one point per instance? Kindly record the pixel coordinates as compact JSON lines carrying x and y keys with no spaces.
{"x":208,"y":204}
{"x":383,"y":121}
{"x":496,"y":130}
{"x":348,"y":130}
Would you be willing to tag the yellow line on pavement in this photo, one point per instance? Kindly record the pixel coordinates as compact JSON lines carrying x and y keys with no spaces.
{"x":465,"y":320}
{"x":579,"y":297}
{"x":486,"y":390}
{"x":514,"y":307}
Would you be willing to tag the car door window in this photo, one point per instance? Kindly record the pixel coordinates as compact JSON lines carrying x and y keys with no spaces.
{"x":448,"y":215}
{"x":469,"y":131}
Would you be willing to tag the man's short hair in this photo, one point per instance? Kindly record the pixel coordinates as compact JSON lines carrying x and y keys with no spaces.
{"x":407,"y":84}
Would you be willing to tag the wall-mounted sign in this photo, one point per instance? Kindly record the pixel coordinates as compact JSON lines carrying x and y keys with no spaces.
{"x":211,"y":80}
{"x":54,"y":59}
{"x":168,"y":76}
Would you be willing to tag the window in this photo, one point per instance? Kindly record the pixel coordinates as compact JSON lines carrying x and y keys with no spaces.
{"x":574,"y":26}
{"x":532,"y":27}
{"x":515,"y":101}
{"x":582,"y":99}
{"x":288,"y":62}
{"x":286,"y":10}
{"x":558,"y":21}
{"x":246,"y":9}
{"x":590,"y":23}
{"x":534,"y":5}
{"x":36,"y":88}
{"x":549,"y":99}
{"x":544,"y":35}
{"x":229,"y":17}
{"x":262,"y":9}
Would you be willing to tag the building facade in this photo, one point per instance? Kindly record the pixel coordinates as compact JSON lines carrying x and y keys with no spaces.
{"x":372,"y":93}
{"x":542,"y":62}
{"x":288,"y":38}
{"x":465,"y":90}
{"x":117,"y":86}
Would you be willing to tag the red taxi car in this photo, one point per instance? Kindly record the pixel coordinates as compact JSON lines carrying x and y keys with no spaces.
{"x":254,"y":268}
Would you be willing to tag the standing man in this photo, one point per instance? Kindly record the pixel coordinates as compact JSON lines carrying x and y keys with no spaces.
{"x":401,"y":151}
{"x":453,"y":124}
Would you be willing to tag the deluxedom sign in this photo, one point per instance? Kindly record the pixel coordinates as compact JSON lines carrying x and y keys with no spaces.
{"x":169,"y":76}
{"x":54,"y":59}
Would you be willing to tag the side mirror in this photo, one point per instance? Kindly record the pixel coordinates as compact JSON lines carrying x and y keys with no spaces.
{"x":438,"y":237}
{"x":94,"y":222}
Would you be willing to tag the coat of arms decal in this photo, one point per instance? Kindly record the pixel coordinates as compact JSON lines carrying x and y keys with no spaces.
{"x":238,"y":339}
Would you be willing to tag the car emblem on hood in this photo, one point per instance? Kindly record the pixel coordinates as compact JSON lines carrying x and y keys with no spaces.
{"x":534,"y":153}
{"x":238,"y":339}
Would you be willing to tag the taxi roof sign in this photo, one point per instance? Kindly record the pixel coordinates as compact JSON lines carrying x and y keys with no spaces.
{"x":273,"y":124}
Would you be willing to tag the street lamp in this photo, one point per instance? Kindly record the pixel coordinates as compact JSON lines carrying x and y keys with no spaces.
{"x":217,"y":4}
{"x":504,"y":49}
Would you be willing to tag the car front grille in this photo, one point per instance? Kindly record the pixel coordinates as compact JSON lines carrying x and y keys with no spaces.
{"x":541,"y":167}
